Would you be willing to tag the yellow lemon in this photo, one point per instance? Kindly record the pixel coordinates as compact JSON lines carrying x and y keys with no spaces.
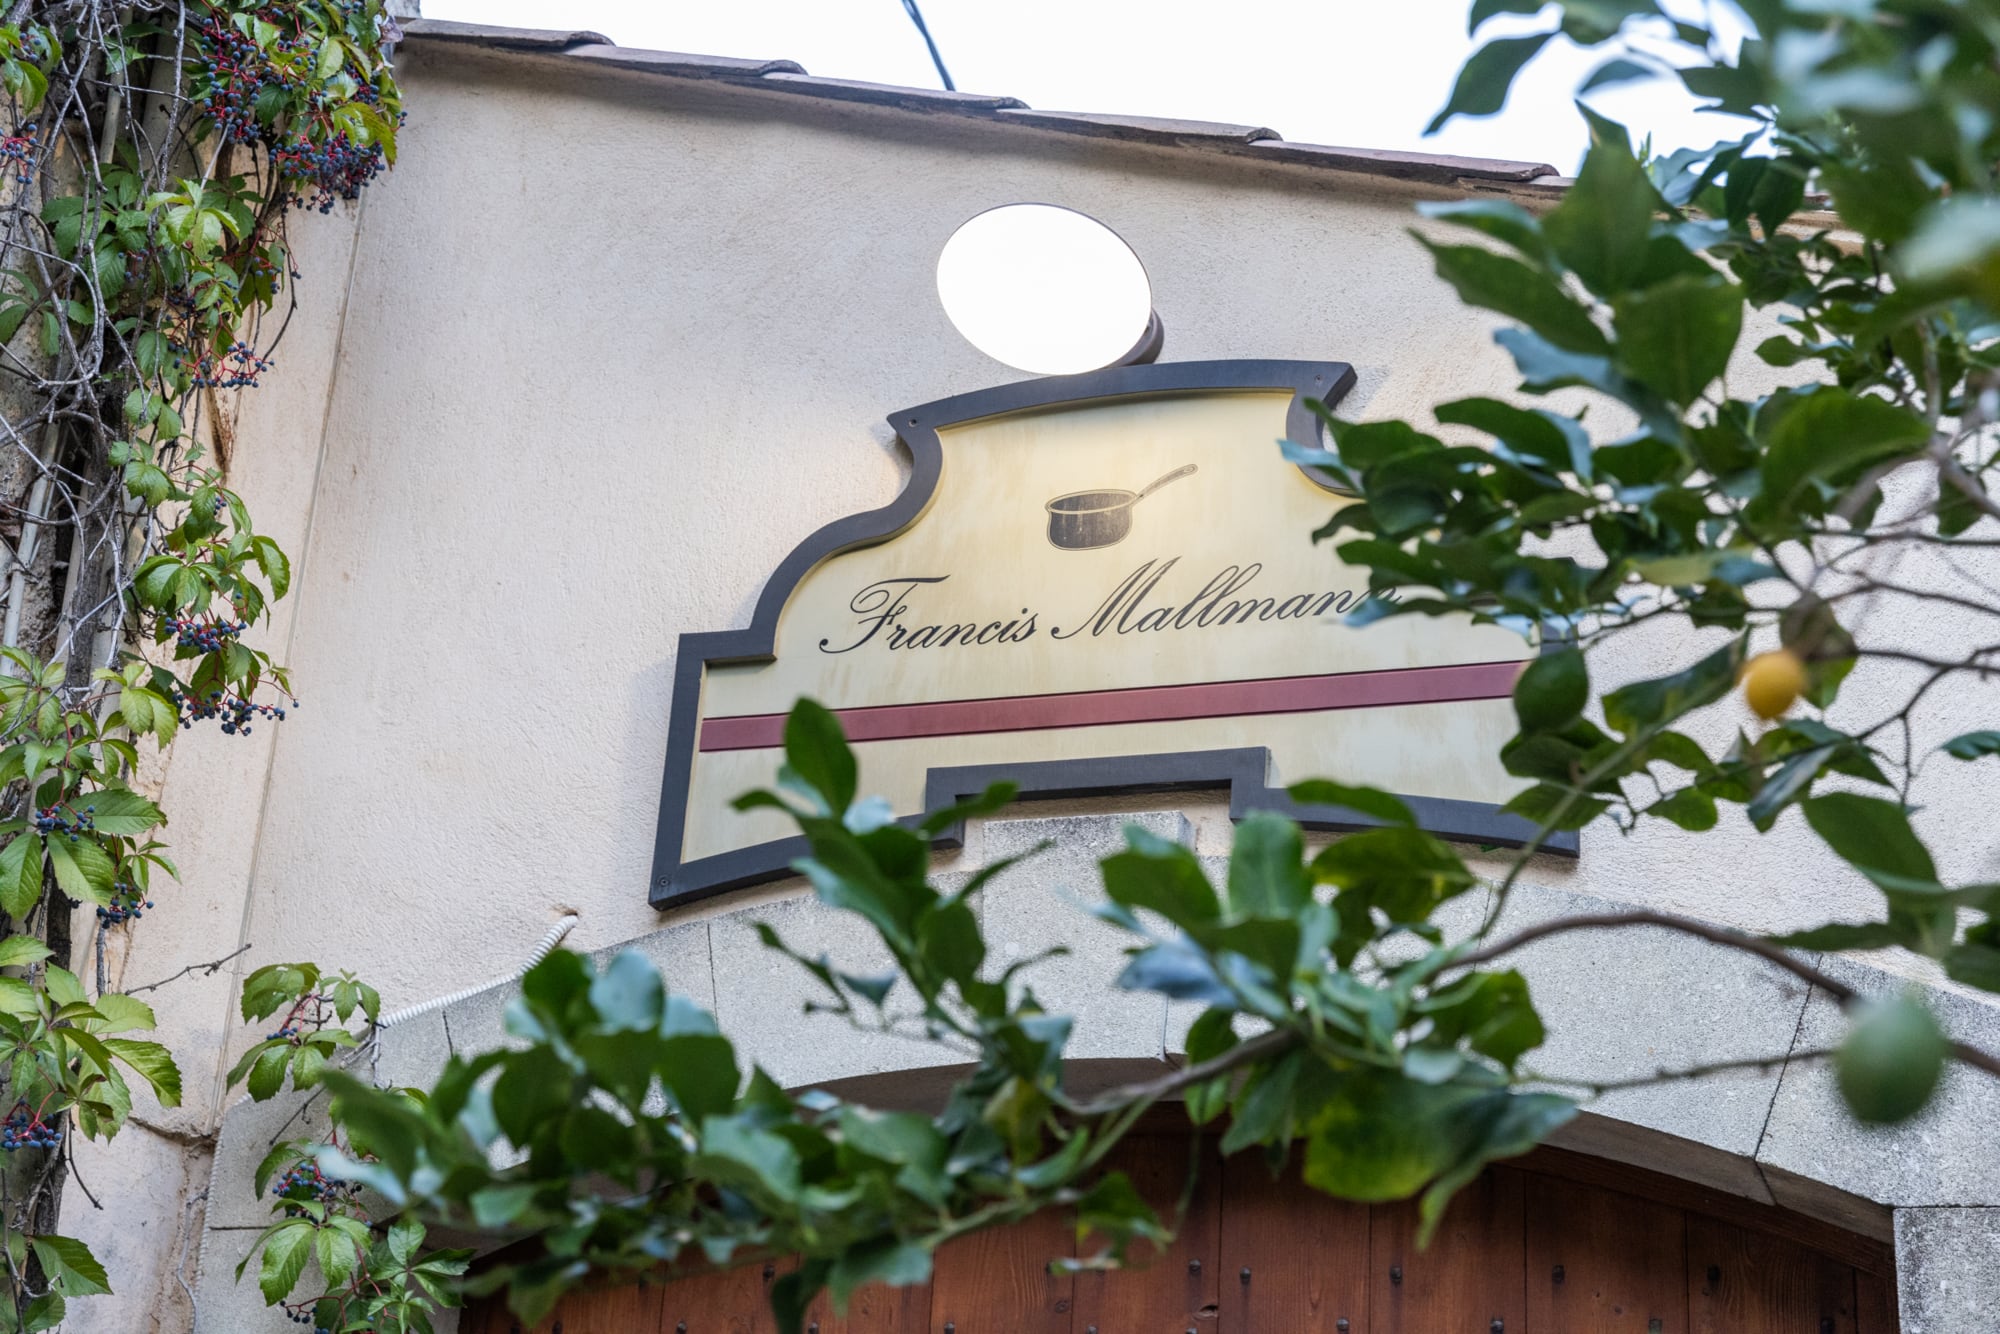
{"x":1772,"y":682}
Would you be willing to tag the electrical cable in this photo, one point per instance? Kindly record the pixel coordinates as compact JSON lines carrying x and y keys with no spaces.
{"x":923,"y":29}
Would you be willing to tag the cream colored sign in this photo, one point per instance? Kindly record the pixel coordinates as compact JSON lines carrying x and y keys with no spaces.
{"x":1121,"y":575}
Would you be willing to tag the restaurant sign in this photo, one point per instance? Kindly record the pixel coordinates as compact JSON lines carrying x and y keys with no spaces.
{"x":1094,"y":583}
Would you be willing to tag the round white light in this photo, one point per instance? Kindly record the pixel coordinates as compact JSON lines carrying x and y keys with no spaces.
{"x":1044,"y":289}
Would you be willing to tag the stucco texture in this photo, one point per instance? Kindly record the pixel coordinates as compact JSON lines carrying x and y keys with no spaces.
{"x":608,"y":349}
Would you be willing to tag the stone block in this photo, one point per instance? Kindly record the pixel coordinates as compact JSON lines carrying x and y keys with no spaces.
{"x":409,"y":1054}
{"x":760,"y":997}
{"x":1948,"y":1270}
{"x":1629,"y":1003}
{"x":1942,"y":1156}
{"x":478,"y":1023}
{"x":1043,"y":903}
{"x":249,"y":1130}
{"x":224,"y":1306}
{"x":681,"y":953}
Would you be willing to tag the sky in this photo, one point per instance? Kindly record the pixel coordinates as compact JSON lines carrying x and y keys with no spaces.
{"x":1357,"y":73}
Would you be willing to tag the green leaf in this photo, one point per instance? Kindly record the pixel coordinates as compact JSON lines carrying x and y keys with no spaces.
{"x":1367,"y":801}
{"x":1635,"y":708}
{"x":1551,"y":692}
{"x":1973,"y":745}
{"x":17,"y":950}
{"x":115,"y":810}
{"x":1829,"y":434}
{"x":1518,"y":291}
{"x":1156,"y":873}
{"x":1602,"y":227}
{"x":1381,"y":1136}
{"x":286,"y":1251}
{"x":756,"y":1162}
{"x":83,"y":869}
{"x":1891,"y":1062}
{"x":1267,"y":876}
{"x":817,"y":752}
{"x":1676,"y":337}
{"x":118,"y":1013}
{"x":70,"y":1261}
{"x":267,"y":1074}
{"x":1873,"y":835}
{"x":21,"y":875}
{"x":628,"y":993}
{"x":1482,"y":84}
{"x":700,"y":1072}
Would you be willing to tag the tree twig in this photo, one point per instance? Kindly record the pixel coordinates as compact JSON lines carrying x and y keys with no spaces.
{"x":1717,"y":935}
{"x":206,"y":969}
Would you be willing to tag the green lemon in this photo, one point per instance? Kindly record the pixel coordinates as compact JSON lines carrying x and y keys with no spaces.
{"x":1891,"y":1061}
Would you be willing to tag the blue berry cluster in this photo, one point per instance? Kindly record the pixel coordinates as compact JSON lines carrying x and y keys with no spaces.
{"x":238,"y":368}
{"x":19,"y":149}
{"x":207,"y":636}
{"x":231,"y":74}
{"x":53,"y":820}
{"x":127,"y":905}
{"x":305,"y":1184}
{"x":286,"y":1034}
{"x":334,"y":170}
{"x":24,"y":1130}
{"x":235,"y":711}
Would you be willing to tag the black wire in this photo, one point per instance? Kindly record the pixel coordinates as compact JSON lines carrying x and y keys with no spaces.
{"x":917,"y":17}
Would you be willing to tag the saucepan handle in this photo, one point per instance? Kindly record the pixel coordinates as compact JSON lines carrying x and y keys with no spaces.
{"x":1173,"y":476}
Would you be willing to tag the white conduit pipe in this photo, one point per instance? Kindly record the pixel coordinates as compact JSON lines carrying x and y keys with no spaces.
{"x":535,"y":956}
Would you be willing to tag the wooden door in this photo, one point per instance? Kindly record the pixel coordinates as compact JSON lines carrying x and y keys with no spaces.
{"x":1553,"y":1243}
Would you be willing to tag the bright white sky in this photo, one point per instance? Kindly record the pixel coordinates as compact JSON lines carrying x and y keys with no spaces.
{"x":1358,"y":73}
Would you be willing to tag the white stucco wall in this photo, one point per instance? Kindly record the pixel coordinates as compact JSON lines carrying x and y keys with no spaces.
{"x":608,"y":348}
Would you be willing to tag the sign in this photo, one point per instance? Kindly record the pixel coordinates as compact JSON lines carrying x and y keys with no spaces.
{"x":1093,"y":583}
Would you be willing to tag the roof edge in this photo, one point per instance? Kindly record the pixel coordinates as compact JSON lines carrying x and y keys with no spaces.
{"x":1255,"y":143}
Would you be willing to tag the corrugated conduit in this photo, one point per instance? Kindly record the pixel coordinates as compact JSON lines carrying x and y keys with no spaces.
{"x":540,"y":952}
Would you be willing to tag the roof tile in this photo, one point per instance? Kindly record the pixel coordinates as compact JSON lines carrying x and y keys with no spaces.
{"x":1140,"y":129}
{"x":1438,"y":169}
{"x":510,"y":39}
{"x":888,"y":94}
{"x":681,"y":65}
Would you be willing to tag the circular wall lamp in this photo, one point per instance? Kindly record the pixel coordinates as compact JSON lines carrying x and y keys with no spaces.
{"x":1048,"y":290}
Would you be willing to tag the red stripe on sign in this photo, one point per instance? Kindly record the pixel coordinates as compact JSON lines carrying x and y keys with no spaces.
{"x":1143,"y":704}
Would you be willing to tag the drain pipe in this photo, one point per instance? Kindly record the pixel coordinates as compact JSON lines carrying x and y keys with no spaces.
{"x":541,"y":951}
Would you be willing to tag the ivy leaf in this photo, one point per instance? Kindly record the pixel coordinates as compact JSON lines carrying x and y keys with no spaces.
{"x":21,"y":875}
{"x":1518,"y":291}
{"x":70,"y":1262}
{"x":286,"y":1251}
{"x":83,"y":869}
{"x":118,"y":811}
{"x":16,"y":950}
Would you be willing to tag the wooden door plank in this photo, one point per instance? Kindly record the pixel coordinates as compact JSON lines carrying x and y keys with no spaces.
{"x":1472,"y":1274}
{"x":998,"y":1281}
{"x":718,"y":1301}
{"x":1306,"y":1254}
{"x":1603,"y":1262}
{"x":875,"y":1309}
{"x":1170,"y":1291}
{"x":1875,"y":1304}
{"x":1745,"y":1282}
{"x":630,"y":1308}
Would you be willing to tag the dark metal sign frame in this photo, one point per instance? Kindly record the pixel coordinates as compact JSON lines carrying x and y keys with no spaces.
{"x":1243,"y":772}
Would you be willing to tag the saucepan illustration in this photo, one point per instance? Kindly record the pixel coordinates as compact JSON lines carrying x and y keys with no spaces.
{"x":1085,"y":519}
